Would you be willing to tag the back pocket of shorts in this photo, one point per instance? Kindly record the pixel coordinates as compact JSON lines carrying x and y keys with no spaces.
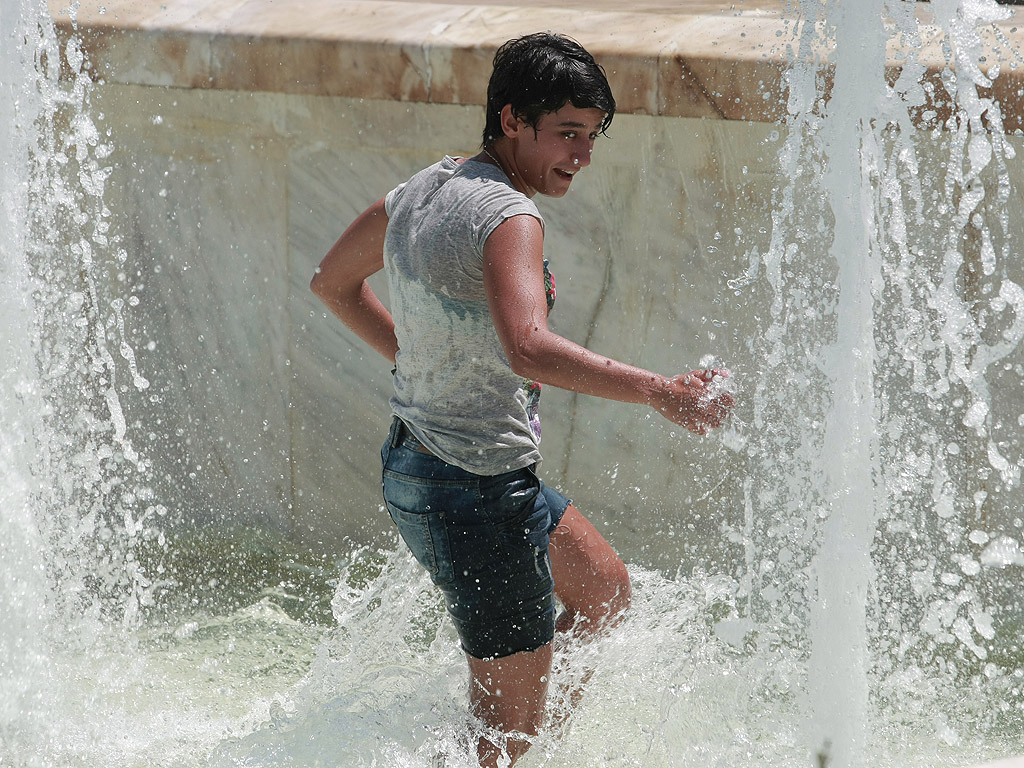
{"x":426,"y":536}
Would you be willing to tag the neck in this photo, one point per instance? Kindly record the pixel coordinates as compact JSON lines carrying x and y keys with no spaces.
{"x":501,"y":157}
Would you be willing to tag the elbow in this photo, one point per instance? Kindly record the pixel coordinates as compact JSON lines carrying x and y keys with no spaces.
{"x":521,"y":367}
{"x":527,"y":357}
{"x":318,"y":285}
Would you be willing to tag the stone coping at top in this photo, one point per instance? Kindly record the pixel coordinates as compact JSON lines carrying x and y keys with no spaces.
{"x":688,"y":58}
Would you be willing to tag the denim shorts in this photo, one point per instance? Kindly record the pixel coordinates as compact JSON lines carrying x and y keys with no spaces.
{"x":483,"y":540}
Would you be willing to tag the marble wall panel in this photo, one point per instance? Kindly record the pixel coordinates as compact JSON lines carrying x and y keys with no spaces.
{"x":358,"y":69}
{"x":177,"y":59}
{"x":344,"y":156}
{"x":410,"y":130}
{"x":275,"y":416}
{"x":630,"y":258}
{"x":1004,"y":380}
{"x":341,"y":386}
{"x":631,"y":247}
{"x":201,"y":218}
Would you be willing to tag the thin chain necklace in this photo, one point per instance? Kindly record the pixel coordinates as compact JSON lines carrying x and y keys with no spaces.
{"x":509,"y":176}
{"x":494,"y":160}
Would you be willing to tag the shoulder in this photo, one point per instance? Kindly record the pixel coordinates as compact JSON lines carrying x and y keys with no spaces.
{"x":496,"y":194}
{"x":431,"y":177}
{"x":518,"y":232}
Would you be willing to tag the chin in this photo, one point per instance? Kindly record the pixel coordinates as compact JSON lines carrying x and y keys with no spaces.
{"x":558,"y":189}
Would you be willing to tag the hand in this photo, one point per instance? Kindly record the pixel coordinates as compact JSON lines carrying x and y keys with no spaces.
{"x":693,"y":401}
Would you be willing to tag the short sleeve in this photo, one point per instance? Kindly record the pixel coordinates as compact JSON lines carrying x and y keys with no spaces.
{"x":392,"y":198}
{"x":496,"y":218}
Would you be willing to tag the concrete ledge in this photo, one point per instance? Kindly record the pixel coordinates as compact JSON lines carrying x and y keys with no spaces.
{"x":685,"y":59}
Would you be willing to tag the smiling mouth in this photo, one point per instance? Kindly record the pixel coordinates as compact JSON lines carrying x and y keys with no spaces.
{"x":565,"y":174}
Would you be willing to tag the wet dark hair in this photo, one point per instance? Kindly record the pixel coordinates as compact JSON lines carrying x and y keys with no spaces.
{"x":541,"y":73}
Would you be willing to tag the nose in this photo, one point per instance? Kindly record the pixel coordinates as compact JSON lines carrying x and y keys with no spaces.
{"x":581,"y":151}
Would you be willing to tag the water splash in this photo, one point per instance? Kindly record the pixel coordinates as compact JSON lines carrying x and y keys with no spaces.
{"x":877,"y":449}
{"x":390,"y":685}
{"x":92,"y":496}
{"x":23,"y":586}
{"x":70,"y":479}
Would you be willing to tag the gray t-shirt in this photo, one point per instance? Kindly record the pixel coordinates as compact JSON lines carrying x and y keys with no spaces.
{"x":454,"y":387}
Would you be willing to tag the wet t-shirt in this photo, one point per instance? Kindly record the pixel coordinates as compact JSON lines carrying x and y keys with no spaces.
{"x":454,"y":386}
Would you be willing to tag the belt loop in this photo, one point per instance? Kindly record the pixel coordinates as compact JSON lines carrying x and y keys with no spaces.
{"x":396,"y":431}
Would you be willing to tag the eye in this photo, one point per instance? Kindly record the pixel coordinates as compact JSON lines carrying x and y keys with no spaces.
{"x":569,"y":135}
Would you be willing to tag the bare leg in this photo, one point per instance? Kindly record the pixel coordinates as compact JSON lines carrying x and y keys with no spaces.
{"x":590,"y":579}
{"x":593,"y":585}
{"x":508,"y":694}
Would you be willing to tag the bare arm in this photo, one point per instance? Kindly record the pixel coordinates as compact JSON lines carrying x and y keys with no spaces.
{"x":340,"y":280}
{"x":513,"y":279}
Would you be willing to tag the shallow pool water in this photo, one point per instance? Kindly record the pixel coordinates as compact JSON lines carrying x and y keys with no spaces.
{"x":268,"y":678}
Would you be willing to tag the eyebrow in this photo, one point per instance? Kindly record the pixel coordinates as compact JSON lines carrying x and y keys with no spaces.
{"x":575,"y":124}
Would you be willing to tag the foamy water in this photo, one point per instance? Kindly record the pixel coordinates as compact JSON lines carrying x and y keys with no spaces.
{"x":679,"y":684}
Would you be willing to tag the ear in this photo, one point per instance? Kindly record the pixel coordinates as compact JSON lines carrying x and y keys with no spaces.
{"x":510,"y":124}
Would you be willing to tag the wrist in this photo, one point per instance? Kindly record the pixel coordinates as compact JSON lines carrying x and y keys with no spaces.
{"x":656,"y":388}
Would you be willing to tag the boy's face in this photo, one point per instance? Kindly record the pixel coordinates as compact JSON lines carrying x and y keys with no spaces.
{"x":549,"y":155}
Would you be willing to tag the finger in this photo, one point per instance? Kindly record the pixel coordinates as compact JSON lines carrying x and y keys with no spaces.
{"x":716,"y":416}
{"x":714,"y":419}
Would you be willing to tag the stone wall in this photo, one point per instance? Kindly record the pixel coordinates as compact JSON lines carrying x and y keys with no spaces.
{"x":270,"y":412}
{"x":266,"y":414}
